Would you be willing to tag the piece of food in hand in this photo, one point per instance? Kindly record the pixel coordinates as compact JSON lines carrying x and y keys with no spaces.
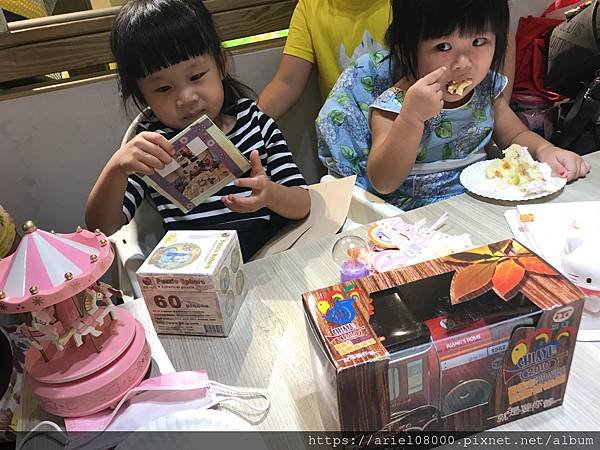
{"x":458,"y":87}
{"x":518,"y":168}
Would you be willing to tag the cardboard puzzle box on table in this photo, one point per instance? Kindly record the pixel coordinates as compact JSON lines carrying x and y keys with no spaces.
{"x":459,"y":343}
{"x":193,"y":282}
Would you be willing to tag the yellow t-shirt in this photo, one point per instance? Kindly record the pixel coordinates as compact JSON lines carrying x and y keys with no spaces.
{"x":29,"y":8}
{"x":332,"y":33}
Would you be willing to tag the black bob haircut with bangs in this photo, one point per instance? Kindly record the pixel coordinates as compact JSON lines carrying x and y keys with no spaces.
{"x":150,"y":35}
{"x":414,"y":21}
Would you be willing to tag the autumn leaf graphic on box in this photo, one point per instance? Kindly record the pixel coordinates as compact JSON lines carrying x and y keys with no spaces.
{"x":502,"y":266}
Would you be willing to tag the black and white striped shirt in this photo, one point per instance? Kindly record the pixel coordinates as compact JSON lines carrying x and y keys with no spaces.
{"x":253,"y":130}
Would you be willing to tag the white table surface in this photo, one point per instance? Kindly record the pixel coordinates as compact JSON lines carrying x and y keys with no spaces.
{"x":268,"y":346}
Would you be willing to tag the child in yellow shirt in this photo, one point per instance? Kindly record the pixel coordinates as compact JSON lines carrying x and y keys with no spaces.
{"x":327,"y":35}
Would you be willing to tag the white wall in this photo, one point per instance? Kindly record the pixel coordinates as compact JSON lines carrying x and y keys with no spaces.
{"x":53,"y":146}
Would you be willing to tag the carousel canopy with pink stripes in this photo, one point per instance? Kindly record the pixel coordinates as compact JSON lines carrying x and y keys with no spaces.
{"x":48,"y":268}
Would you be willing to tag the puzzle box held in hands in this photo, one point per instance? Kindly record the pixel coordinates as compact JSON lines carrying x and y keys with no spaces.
{"x":205,"y":161}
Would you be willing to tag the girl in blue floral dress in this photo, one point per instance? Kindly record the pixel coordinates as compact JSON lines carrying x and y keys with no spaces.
{"x":423,"y":131}
{"x":343,"y":136}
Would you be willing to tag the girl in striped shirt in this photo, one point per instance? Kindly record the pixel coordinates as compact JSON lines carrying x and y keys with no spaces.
{"x":170,"y":59}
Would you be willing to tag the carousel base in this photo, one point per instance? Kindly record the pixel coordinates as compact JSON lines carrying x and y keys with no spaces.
{"x":75,"y":363}
{"x":82,"y":382}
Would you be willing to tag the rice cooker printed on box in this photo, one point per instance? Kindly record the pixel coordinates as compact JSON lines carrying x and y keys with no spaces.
{"x":193,"y":282}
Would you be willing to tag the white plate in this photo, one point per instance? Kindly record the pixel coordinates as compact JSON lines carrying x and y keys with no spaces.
{"x":192,"y":420}
{"x":473,"y":178}
{"x":198,"y":420}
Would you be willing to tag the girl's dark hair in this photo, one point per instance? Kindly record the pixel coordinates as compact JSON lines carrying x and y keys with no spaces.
{"x":416,"y":20}
{"x":150,"y":35}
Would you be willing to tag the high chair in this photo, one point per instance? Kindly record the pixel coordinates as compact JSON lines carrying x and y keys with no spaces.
{"x":135,"y":240}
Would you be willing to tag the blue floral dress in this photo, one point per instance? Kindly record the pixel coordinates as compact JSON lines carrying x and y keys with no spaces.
{"x":451,"y":141}
{"x":343,"y":136}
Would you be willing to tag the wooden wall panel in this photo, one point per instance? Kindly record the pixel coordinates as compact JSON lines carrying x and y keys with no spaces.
{"x":56,"y":31}
{"x":254,"y":20}
{"x":54,"y":56}
{"x":78,"y":40}
{"x":215,"y":6}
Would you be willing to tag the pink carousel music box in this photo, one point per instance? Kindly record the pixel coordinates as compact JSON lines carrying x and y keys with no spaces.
{"x":85,"y":353}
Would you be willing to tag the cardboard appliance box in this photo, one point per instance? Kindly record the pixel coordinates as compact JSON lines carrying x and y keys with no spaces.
{"x":460,"y":343}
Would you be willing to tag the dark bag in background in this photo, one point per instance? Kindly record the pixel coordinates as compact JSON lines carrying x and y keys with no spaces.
{"x":578,"y":124}
{"x":530,"y":59}
{"x":574,"y":52}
